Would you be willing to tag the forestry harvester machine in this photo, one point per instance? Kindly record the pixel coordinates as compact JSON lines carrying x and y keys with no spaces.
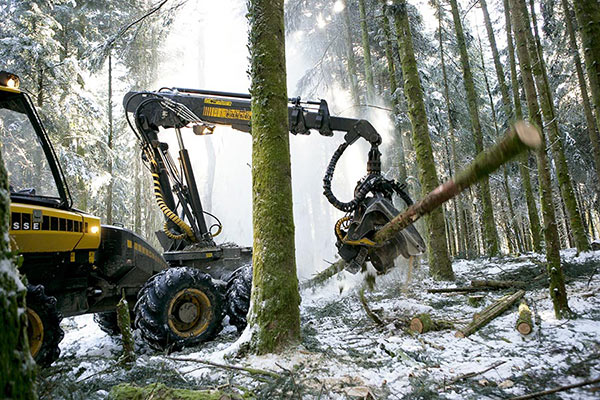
{"x":75,"y":265}
{"x":187,"y":239}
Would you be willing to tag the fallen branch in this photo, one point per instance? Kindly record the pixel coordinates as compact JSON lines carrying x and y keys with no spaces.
{"x":472,"y":374}
{"x":555,"y":390}
{"x":489,"y":313}
{"x":497,"y":284}
{"x":455,"y":289}
{"x":369,"y":312}
{"x":253,"y":371}
{"x":324,"y":275}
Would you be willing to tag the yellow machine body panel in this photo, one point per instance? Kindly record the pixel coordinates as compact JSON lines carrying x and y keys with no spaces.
{"x":39,"y":229}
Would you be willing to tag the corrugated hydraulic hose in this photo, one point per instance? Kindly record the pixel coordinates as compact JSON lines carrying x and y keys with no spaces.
{"x":170,"y":214}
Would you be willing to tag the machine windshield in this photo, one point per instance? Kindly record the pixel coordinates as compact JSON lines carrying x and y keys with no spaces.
{"x":29,"y":173}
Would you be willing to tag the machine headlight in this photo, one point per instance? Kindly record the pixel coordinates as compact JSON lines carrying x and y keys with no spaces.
{"x":95,"y":229}
{"x":9,"y":80}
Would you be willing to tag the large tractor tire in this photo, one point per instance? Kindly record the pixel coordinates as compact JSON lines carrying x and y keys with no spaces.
{"x":238,"y":296}
{"x":179,"y":307}
{"x":43,"y":326}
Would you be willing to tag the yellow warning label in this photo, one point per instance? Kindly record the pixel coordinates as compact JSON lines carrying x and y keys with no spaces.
{"x":227,"y":113}
{"x":217,"y":102}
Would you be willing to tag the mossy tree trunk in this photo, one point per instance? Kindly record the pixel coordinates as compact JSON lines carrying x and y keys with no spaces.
{"x":588,"y":17}
{"x":556,"y":142}
{"x":440,"y":266}
{"x":17,"y":369}
{"x":274,"y":317}
{"x":585,"y":100}
{"x":557,"y":283}
{"x":351,"y":60}
{"x":487,"y":216}
{"x":366,"y":52}
{"x":532,"y":211}
{"x":457,"y":202}
{"x":389,"y":56}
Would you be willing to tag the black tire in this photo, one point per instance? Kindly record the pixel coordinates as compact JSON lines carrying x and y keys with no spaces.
{"x":179,"y":307}
{"x":238,"y":296}
{"x":107,"y":321}
{"x":43,"y":326}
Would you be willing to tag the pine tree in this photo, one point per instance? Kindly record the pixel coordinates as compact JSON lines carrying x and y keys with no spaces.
{"x":367,"y":52}
{"x":487,"y":217}
{"x":17,"y":369}
{"x":440,"y":266}
{"x":350,"y":59}
{"x":274,"y":316}
{"x":560,"y":161}
{"x":557,"y":283}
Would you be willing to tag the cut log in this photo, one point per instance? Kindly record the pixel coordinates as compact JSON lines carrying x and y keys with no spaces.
{"x":519,"y":138}
{"x":524,"y":321}
{"x":489,"y":313}
{"x":424,"y":323}
{"x":497,"y":284}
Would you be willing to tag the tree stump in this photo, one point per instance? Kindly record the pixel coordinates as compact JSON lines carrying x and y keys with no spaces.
{"x":524,"y":321}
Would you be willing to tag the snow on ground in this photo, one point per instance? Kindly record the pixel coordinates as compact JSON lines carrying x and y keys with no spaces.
{"x":344,"y":354}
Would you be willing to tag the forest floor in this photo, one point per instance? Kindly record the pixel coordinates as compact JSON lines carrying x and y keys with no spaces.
{"x":345,"y":354}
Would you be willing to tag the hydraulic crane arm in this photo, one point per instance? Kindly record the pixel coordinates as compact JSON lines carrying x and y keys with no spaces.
{"x":203,"y":110}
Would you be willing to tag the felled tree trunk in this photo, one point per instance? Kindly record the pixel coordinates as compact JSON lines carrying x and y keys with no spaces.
{"x":159,"y":391}
{"x":424,"y":323}
{"x":519,"y":137}
{"x":489,"y":313}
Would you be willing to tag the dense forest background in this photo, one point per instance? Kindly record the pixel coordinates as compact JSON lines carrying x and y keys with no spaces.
{"x":77,"y":59}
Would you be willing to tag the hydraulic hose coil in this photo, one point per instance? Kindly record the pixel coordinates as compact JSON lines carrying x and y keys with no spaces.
{"x":170,"y":214}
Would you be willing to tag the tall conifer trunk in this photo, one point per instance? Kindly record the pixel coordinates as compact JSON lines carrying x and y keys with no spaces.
{"x":109,"y":144}
{"x":487,"y":216}
{"x":366,"y":51}
{"x":588,"y":17}
{"x":274,"y":316}
{"x":351,"y":60}
{"x":440,"y":266}
{"x":557,"y":283}
{"x":585,"y":100}
{"x":558,"y":153}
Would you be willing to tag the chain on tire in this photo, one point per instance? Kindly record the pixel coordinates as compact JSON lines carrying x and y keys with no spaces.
{"x":238,"y":296}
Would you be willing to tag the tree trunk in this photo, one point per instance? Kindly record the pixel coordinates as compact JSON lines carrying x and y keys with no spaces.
{"x":489,"y":313}
{"x":588,"y":17}
{"x":440,"y":266}
{"x":557,"y":284}
{"x":385,"y":23}
{"x":274,"y":316}
{"x":367,"y":52}
{"x":532,"y":212}
{"x":17,"y":368}
{"x":556,"y":144}
{"x":109,"y":144}
{"x":585,"y":100}
{"x":351,"y":62}
{"x":487,"y":215}
{"x":457,"y":202}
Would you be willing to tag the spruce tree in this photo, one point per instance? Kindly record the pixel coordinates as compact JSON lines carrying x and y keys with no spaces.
{"x":440,"y":266}
{"x":274,"y":316}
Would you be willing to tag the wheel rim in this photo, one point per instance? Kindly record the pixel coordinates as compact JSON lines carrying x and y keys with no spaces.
{"x":35,"y":331}
{"x":190,"y":312}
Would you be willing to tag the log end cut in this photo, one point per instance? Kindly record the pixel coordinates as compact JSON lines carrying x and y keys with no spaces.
{"x":524,"y":328}
{"x":529,"y":134}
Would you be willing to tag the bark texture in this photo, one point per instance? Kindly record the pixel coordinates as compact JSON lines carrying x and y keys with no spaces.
{"x":274,"y":316}
{"x":556,"y":142}
{"x":487,"y":216}
{"x":351,"y":60}
{"x":557,"y":283}
{"x":17,"y":368}
{"x":440,"y":265}
{"x":366,"y":51}
{"x":588,"y":17}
